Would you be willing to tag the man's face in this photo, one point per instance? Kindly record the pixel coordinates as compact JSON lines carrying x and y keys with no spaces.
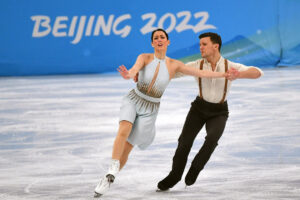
{"x":207,"y":48}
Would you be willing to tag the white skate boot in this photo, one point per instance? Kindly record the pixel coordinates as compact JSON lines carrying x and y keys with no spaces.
{"x":109,"y":178}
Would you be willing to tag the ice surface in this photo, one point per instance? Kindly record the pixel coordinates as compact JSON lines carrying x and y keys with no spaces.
{"x":56,"y":136}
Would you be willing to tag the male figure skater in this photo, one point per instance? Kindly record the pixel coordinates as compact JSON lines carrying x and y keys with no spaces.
{"x":209,"y":108}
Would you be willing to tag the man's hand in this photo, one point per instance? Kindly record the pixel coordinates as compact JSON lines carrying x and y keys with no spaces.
{"x":232,"y":74}
{"x":124,"y":72}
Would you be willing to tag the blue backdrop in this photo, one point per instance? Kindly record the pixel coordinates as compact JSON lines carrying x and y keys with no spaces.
{"x":92,"y":36}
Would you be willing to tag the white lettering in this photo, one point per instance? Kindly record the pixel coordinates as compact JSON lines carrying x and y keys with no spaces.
{"x":43,"y":21}
{"x":58,"y":25}
{"x":89,"y":26}
{"x":79,"y":30}
{"x":124,"y":31}
{"x":163,"y":19}
{"x":149,"y":26}
{"x":72,"y":28}
{"x":183,"y":25}
{"x":80,"y":26}
{"x":105,"y":27}
{"x":202,"y":24}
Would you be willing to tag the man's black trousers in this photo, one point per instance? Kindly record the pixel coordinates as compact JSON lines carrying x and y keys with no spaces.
{"x":214,"y":116}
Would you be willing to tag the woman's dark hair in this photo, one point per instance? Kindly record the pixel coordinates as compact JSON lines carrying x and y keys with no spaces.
{"x":214,"y":37}
{"x":159,"y":29}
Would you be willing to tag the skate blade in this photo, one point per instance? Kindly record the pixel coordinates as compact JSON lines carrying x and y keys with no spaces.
{"x":159,"y":190}
{"x":97,"y":195}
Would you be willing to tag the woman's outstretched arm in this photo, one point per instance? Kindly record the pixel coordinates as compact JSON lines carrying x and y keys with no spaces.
{"x":139,"y":64}
{"x":199,"y":73}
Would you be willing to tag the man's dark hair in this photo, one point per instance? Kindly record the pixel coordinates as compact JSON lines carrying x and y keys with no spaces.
{"x":214,"y":37}
{"x":159,"y":29}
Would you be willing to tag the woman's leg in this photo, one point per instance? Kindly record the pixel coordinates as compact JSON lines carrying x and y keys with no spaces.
{"x":124,"y":157}
{"x":120,"y":154}
{"x":121,"y":139}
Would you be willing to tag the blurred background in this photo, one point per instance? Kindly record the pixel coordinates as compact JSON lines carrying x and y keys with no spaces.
{"x":92,"y":36}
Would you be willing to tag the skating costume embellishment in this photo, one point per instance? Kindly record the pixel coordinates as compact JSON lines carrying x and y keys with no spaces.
{"x":152,"y":82}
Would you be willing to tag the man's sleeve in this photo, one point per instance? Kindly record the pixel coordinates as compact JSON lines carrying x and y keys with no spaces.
{"x":241,"y":67}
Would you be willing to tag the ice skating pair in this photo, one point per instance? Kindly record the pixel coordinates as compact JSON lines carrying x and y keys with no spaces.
{"x":108,"y":179}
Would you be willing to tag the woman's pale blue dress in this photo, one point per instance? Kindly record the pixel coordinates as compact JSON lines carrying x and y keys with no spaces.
{"x":140,"y":106}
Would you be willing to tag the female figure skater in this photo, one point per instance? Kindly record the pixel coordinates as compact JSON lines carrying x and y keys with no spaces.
{"x":140,"y":106}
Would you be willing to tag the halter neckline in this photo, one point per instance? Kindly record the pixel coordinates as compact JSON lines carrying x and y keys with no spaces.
{"x":160,"y":59}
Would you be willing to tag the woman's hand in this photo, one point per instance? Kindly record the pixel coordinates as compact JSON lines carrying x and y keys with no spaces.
{"x":232,"y":74}
{"x":124,"y":72}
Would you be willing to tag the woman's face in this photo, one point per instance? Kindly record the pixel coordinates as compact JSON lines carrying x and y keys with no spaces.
{"x":160,"y":41}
